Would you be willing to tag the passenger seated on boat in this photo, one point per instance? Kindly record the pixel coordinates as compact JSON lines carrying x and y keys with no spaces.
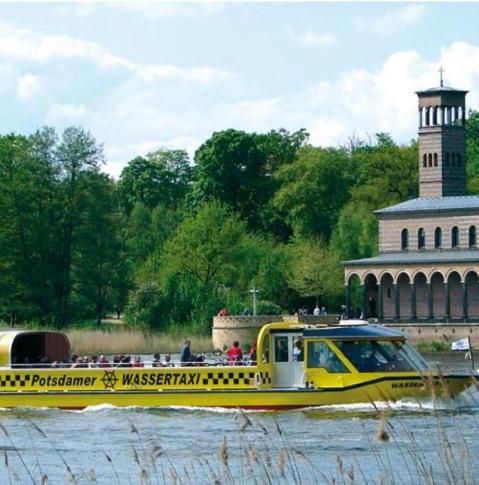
{"x":125,"y":361}
{"x":321,"y":356}
{"x":156,"y":361}
{"x":44,"y":361}
{"x":93,"y":362}
{"x":138,"y":362}
{"x":235,"y":354}
{"x":55,"y":364}
{"x":78,"y":363}
{"x":167,"y":362}
{"x":103,"y":362}
{"x":252,"y":353}
{"x":363,"y":355}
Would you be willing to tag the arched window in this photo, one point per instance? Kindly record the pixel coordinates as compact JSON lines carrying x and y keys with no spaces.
{"x":453,"y":114}
{"x":435,"y":159}
{"x":427,"y":117}
{"x":438,"y":237}
{"x":429,"y":159}
{"x":455,"y":237}
{"x":421,"y":238}
{"x":424,"y":160}
{"x":404,"y":239}
{"x":434,"y":116}
{"x":472,"y":236}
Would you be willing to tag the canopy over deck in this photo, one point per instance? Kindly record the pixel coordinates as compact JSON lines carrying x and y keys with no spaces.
{"x":27,"y":347}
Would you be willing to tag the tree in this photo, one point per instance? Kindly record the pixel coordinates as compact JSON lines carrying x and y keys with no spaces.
{"x":472,"y":152}
{"x":356,"y":234}
{"x":163,"y":177}
{"x":236,"y":168}
{"x":206,"y":245}
{"x":386,"y":169}
{"x":78,"y":154}
{"x":315,"y":270}
{"x":98,"y":270}
{"x":312,"y":190}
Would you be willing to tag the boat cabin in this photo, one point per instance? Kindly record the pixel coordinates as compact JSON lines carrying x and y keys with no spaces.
{"x":313,"y":356}
{"x":29,"y":348}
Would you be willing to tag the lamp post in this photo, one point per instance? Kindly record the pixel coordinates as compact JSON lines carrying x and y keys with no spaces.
{"x":254,"y":291}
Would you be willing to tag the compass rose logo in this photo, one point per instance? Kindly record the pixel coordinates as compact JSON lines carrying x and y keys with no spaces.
{"x":109,"y":379}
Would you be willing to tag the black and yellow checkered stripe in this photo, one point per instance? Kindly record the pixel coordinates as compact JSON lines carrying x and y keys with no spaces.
{"x":16,"y":380}
{"x":228,"y":378}
{"x":265,"y":377}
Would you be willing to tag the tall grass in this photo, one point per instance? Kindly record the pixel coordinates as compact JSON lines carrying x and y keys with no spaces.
{"x":125,"y":341}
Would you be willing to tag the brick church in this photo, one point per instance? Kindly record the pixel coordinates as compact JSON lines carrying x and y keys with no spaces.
{"x":428,"y":263}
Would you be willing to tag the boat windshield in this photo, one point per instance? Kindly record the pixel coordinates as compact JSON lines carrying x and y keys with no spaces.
{"x":383,"y":356}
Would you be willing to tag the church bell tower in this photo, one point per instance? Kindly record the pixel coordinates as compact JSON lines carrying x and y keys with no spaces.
{"x":442,"y":142}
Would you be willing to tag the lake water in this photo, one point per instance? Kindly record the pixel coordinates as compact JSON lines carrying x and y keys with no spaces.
{"x":428,"y":443}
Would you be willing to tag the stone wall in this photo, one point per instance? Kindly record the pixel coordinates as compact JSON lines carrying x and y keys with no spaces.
{"x":446,"y":333}
{"x":390,"y":229}
{"x":245,"y":329}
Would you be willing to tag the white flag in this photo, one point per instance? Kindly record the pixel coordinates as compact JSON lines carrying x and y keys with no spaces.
{"x":462,"y":344}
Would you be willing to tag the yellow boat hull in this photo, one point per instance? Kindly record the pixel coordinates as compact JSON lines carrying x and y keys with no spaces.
{"x":204,"y":387}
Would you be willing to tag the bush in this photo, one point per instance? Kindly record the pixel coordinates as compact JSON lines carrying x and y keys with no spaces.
{"x":268,"y":308}
{"x":143,"y":305}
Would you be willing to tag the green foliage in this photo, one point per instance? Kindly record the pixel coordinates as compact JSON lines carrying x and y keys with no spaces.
{"x":312,"y":190}
{"x":163,"y":177}
{"x":315,"y":270}
{"x":472,"y":152}
{"x":143,"y":305}
{"x":171,"y":244}
{"x":236,"y":168}
{"x":268,"y":308}
{"x":433,"y":346}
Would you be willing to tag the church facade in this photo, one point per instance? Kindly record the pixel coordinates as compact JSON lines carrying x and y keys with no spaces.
{"x":427,"y":269}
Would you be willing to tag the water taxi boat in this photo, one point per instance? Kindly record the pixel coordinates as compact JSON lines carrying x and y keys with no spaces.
{"x":297,"y":366}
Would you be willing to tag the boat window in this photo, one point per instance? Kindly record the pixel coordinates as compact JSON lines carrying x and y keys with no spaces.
{"x":281,"y":350}
{"x":320,"y":355}
{"x":298,"y":350}
{"x":383,"y":356}
{"x":266,"y":349}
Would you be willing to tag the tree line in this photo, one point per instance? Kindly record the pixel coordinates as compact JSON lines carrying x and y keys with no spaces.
{"x":173,"y":239}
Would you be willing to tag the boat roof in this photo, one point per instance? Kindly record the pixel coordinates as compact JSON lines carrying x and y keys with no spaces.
{"x":355,"y":332}
{"x":24,"y":342}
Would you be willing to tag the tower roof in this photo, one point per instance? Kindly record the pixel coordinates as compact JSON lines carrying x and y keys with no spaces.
{"x":440,"y":90}
{"x":433,"y":204}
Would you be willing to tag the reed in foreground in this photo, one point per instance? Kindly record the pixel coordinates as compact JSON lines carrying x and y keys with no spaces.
{"x":261,"y":452}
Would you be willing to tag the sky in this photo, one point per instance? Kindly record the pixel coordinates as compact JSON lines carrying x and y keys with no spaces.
{"x":141,"y":76}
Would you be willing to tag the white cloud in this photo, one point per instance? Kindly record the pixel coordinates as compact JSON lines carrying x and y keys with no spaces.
{"x":324,"y":132}
{"x":27,"y":86}
{"x":392,"y":21}
{"x":195,"y":74}
{"x":23,"y":45}
{"x":19,"y":44}
{"x":171,"y":9}
{"x":69,"y":113}
{"x":313,"y":39}
{"x":356,"y":103}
